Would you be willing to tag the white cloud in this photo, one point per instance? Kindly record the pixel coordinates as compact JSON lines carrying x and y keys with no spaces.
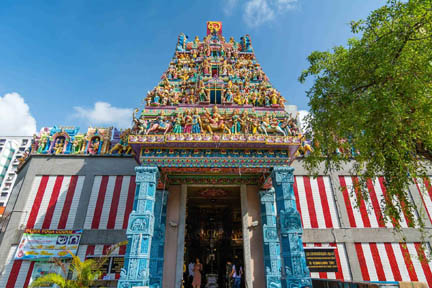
{"x":229,"y":6}
{"x":15,"y":117}
{"x":104,"y":114}
{"x":257,"y":12}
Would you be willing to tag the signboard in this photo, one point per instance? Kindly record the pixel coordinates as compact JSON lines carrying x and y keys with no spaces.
{"x":117,"y":264}
{"x":44,"y":244}
{"x":321,"y":259}
{"x":110,"y":267}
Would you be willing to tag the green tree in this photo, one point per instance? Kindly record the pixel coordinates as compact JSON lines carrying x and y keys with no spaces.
{"x":84,"y":272}
{"x":371,"y":102}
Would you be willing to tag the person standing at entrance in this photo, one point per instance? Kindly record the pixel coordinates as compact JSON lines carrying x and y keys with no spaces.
{"x":190,"y":273}
{"x":228,"y":274}
{"x":237,"y":273}
{"x":197,"y":274}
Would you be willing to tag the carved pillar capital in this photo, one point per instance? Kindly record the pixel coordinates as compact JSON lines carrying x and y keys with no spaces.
{"x":267,"y":195}
{"x":146,"y":174}
{"x":282,"y":174}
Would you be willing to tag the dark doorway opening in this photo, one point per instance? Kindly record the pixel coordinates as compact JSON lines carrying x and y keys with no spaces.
{"x":214,"y":233}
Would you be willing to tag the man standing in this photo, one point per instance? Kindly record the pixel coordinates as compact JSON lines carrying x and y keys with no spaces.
{"x":228,"y":274}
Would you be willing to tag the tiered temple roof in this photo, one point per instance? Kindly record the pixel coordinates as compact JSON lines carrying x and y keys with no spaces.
{"x":214,"y":91}
{"x":214,"y":95}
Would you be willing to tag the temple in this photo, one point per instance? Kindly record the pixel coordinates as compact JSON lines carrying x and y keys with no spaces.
{"x":210,"y":169}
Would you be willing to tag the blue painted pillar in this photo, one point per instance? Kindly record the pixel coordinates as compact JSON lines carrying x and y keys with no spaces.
{"x":158,"y":240}
{"x":295,"y":273}
{"x":140,"y":230}
{"x":272,"y":260}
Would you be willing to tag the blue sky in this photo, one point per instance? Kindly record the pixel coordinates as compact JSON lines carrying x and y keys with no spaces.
{"x":58,"y":55}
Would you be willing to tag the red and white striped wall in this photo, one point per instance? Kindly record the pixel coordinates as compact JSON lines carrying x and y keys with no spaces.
{"x":393,"y":262}
{"x":86,"y":251}
{"x":315,"y":202}
{"x":111,"y":202}
{"x":16,"y":273}
{"x":424,"y":187}
{"x":53,"y":202}
{"x":341,"y":259}
{"x":369,"y":213}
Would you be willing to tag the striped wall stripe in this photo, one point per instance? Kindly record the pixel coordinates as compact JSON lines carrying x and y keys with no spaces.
{"x":366,"y":213}
{"x":315,"y":202}
{"x":111,"y":202}
{"x":16,"y":273}
{"x":341,"y":259}
{"x":85,"y":251}
{"x":393,"y":262}
{"x":424,"y":187}
{"x":53,"y":202}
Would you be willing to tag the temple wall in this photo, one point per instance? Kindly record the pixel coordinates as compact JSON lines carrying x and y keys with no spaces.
{"x":171,"y":237}
{"x":367,"y":248}
{"x":256,"y":237}
{"x":94,"y":194}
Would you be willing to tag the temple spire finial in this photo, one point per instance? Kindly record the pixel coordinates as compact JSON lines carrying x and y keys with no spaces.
{"x":214,"y":26}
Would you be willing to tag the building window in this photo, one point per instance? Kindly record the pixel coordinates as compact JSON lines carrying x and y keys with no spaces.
{"x":215,"y":96}
{"x":1,"y":204}
{"x":4,"y":194}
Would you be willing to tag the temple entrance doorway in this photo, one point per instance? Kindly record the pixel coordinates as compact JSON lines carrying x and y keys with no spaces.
{"x":213,"y":233}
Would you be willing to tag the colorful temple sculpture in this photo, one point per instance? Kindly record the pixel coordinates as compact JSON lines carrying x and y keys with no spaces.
{"x":210,"y":169}
{"x":67,"y":140}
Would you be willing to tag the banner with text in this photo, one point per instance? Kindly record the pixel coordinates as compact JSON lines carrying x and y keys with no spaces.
{"x":43,"y":244}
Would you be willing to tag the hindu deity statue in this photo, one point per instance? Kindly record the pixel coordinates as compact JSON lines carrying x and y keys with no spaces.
{"x":196,"y":122}
{"x":236,"y":122}
{"x":254,"y":124}
{"x":246,"y":122}
{"x":275,"y":125}
{"x":188,"y":122}
{"x":266,"y":100}
{"x":160,"y":124}
{"x":214,"y":121}
{"x":123,"y":147}
{"x":94,"y":146}
{"x":203,"y":96}
{"x":59,"y":145}
{"x":228,"y":96}
{"x":42,"y":144}
{"x":196,"y":42}
{"x":138,"y":127}
{"x":77,"y":144}
{"x":206,"y":66}
{"x":274,"y":97}
{"x":178,"y":128}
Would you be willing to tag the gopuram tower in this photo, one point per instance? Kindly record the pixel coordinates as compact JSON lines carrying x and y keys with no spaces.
{"x":214,"y":124}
